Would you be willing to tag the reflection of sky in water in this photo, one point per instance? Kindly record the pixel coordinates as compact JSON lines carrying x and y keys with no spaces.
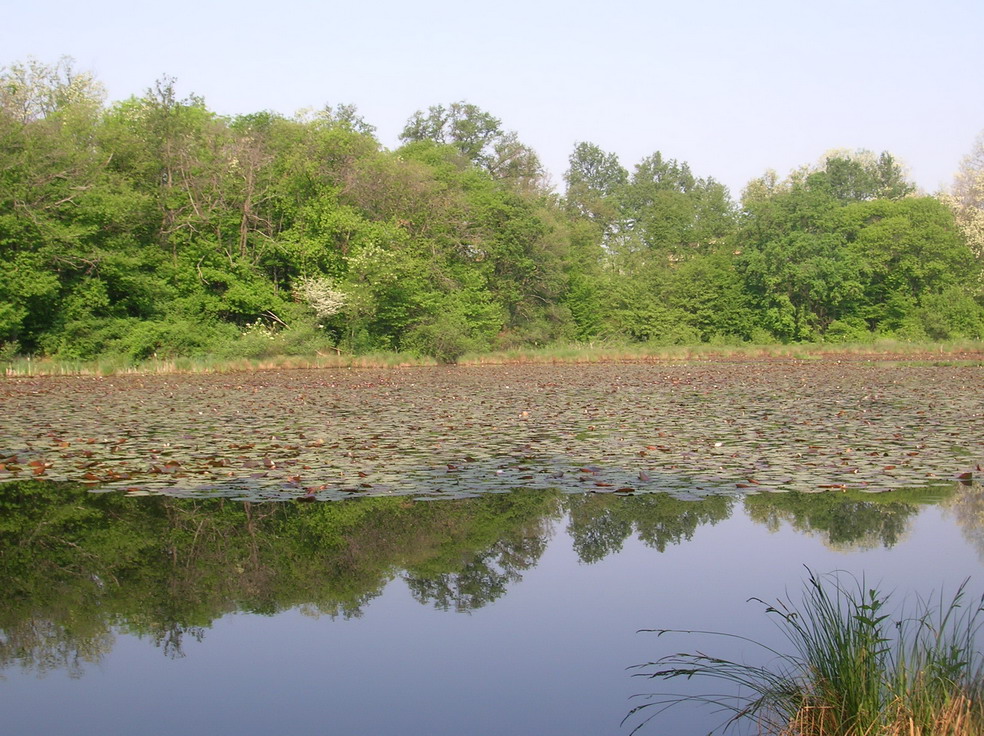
{"x":549,"y":657}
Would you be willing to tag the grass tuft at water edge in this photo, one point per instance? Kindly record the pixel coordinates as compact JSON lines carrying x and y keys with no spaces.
{"x":853,"y":669}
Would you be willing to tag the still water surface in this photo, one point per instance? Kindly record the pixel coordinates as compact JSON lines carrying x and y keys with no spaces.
{"x":450,"y":551}
{"x":428,"y":649}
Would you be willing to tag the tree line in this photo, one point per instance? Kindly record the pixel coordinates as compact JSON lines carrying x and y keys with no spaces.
{"x":156,"y":227}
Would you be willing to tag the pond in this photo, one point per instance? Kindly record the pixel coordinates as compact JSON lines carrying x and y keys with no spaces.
{"x":499,"y":537}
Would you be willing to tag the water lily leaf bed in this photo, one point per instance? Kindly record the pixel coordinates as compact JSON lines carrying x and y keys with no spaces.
{"x":688,"y":430}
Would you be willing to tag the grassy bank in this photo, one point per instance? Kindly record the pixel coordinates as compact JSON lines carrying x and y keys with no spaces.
{"x":602,"y":353}
{"x":882,"y":350}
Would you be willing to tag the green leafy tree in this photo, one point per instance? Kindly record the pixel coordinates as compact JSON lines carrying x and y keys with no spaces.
{"x":848,"y":251}
{"x":862,"y":176}
{"x":673,"y":212}
{"x":63,"y":217}
{"x":480,"y":139}
{"x":595,"y":184}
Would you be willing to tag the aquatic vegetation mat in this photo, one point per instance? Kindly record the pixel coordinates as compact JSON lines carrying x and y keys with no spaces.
{"x":687,"y":430}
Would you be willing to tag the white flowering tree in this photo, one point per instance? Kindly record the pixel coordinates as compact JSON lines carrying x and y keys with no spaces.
{"x":320,"y":293}
{"x":33,"y":90}
{"x":967,"y":197}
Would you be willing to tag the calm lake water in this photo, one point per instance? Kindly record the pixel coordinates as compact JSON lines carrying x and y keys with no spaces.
{"x":183,"y":601}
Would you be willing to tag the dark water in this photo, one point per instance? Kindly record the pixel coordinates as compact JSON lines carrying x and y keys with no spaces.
{"x":507,"y":614}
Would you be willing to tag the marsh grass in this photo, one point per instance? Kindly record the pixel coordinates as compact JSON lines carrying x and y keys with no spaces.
{"x":206,"y":364}
{"x":853,"y":670}
{"x":602,"y":352}
{"x":950,"y":353}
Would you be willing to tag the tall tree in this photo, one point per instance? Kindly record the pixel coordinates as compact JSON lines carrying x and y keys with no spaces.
{"x":674,"y":212}
{"x":861,"y":176}
{"x":593,"y":175}
{"x":596,"y":182}
{"x":480,"y":139}
{"x":856,"y":176}
{"x":967,"y":197}
{"x":32,"y":90}
{"x":820,"y":259}
{"x":56,"y":206}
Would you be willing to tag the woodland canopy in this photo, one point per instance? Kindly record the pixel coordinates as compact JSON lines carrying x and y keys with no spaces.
{"x":156,"y":227}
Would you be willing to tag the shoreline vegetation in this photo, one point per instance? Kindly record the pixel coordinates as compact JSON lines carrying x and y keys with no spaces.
{"x":857,"y":667}
{"x":967,"y":352}
{"x":154,"y":234}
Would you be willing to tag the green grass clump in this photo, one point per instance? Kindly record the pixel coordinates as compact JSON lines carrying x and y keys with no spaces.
{"x":854,"y":669}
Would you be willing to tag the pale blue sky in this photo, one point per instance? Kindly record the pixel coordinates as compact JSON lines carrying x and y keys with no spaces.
{"x":732,"y":87}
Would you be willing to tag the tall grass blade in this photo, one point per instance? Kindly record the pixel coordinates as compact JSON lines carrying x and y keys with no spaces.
{"x":853,"y":668}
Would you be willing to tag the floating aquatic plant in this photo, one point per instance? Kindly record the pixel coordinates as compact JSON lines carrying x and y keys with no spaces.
{"x":688,"y":430}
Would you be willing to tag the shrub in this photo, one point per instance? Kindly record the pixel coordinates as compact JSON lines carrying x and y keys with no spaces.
{"x":849,"y":329}
{"x":169,"y":339}
{"x":952,"y":314}
{"x":445,"y":338}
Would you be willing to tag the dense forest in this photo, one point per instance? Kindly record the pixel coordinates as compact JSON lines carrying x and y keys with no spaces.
{"x":155,"y":227}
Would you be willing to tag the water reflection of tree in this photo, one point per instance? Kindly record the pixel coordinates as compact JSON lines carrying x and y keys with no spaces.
{"x":76,"y":566}
{"x":480,"y":575}
{"x":967,"y":507}
{"x":44,"y":644}
{"x":483,"y":579}
{"x":843,"y":520}
{"x":480,"y":582}
{"x":599,"y":524}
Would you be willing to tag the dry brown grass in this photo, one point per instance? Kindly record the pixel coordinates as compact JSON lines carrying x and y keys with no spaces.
{"x":885,"y":350}
{"x":957,"y":717}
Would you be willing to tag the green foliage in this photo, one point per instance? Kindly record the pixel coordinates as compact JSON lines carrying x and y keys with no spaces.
{"x":596,"y":182}
{"x":951,"y":314}
{"x":172,"y":338}
{"x":813,"y":261}
{"x":583,"y":298}
{"x":456,"y":324}
{"x":709,"y":291}
{"x":860,"y":176}
{"x":480,"y":139}
{"x":122,"y":226}
{"x":849,"y":329}
{"x":673,"y":212}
